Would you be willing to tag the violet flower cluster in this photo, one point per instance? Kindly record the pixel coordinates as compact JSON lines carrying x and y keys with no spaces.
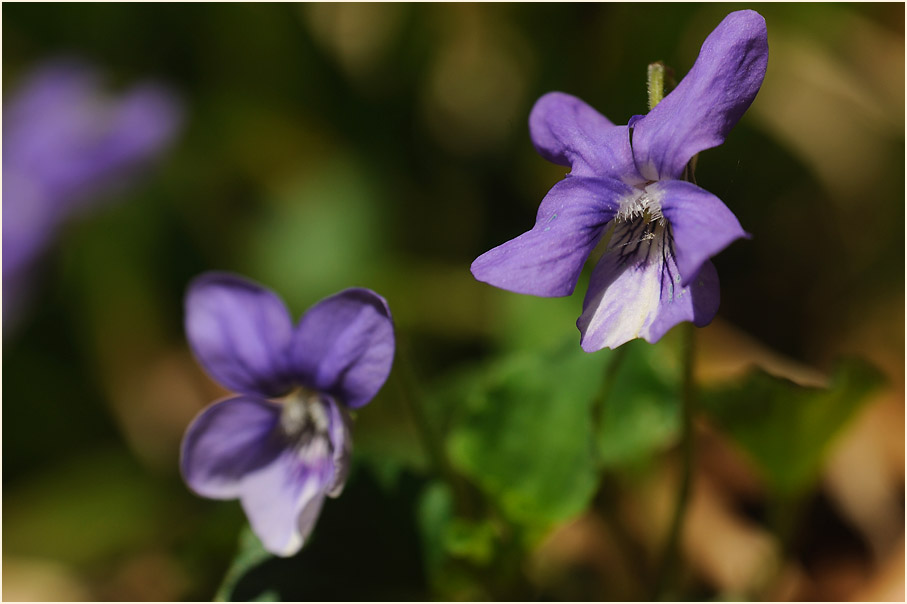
{"x":626,"y":185}
{"x":65,"y":141}
{"x":282,"y":444}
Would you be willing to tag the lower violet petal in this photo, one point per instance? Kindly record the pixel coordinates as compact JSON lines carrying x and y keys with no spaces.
{"x":547,"y":260}
{"x":635,"y":290}
{"x":226,"y":442}
{"x":698,"y":303}
{"x":282,"y":501}
{"x":342,"y":446}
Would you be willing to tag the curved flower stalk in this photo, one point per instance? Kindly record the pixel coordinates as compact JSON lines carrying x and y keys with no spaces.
{"x":626,"y":185}
{"x":64,"y":141}
{"x":282,"y":444}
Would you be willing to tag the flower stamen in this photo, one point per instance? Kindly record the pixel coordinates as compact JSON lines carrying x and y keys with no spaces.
{"x":644,"y":207}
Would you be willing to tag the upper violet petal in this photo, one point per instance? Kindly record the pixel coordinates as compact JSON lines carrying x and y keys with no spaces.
{"x":701,"y":224}
{"x":708,"y":102}
{"x":226,"y":442}
{"x":548,"y":259}
{"x":240,"y":332}
{"x":567,"y":131}
{"x":344,"y":346}
{"x":635,"y":291}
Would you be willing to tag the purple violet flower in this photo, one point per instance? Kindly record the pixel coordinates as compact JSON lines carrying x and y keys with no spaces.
{"x":280,"y":459}
{"x":64,"y":142}
{"x":626,"y":185}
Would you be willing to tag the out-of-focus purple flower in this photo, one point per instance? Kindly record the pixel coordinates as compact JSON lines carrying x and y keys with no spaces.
{"x":65,"y":141}
{"x":626,"y":185}
{"x":280,"y":459}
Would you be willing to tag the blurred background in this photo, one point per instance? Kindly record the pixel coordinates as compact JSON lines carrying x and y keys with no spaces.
{"x":315,"y":147}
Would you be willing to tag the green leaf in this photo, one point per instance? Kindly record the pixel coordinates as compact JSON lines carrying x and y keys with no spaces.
{"x":470,"y":540}
{"x":250,"y":554}
{"x":786,"y":429}
{"x":524,"y":435}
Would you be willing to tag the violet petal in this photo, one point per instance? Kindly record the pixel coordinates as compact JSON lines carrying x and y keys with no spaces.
{"x":635,"y":292}
{"x":548,"y":259}
{"x":240,"y":332}
{"x":71,"y":138}
{"x":701,"y":224}
{"x":698,"y":302}
{"x":708,"y":102}
{"x":138,"y":126}
{"x":226,"y":442}
{"x":567,"y":131}
{"x":344,"y":346}
{"x":282,"y":501}
{"x":30,"y":221}
{"x":65,"y":141}
{"x":342,"y":446}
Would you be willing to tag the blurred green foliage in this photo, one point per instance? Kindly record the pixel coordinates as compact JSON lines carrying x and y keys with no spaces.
{"x":785,"y":428}
{"x":386,"y":146}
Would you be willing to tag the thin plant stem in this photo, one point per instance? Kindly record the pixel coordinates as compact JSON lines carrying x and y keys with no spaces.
{"x":606,"y":493}
{"x":604,"y":392}
{"x":465,"y":497}
{"x":411,"y":395}
{"x":670,"y":557}
{"x":606,"y":507}
{"x":468,"y":501}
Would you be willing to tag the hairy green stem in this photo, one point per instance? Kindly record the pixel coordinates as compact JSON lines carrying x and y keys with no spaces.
{"x":655,"y":83}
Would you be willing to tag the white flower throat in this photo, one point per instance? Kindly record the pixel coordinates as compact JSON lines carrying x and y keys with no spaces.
{"x":305,"y":423}
{"x":638,"y":225}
